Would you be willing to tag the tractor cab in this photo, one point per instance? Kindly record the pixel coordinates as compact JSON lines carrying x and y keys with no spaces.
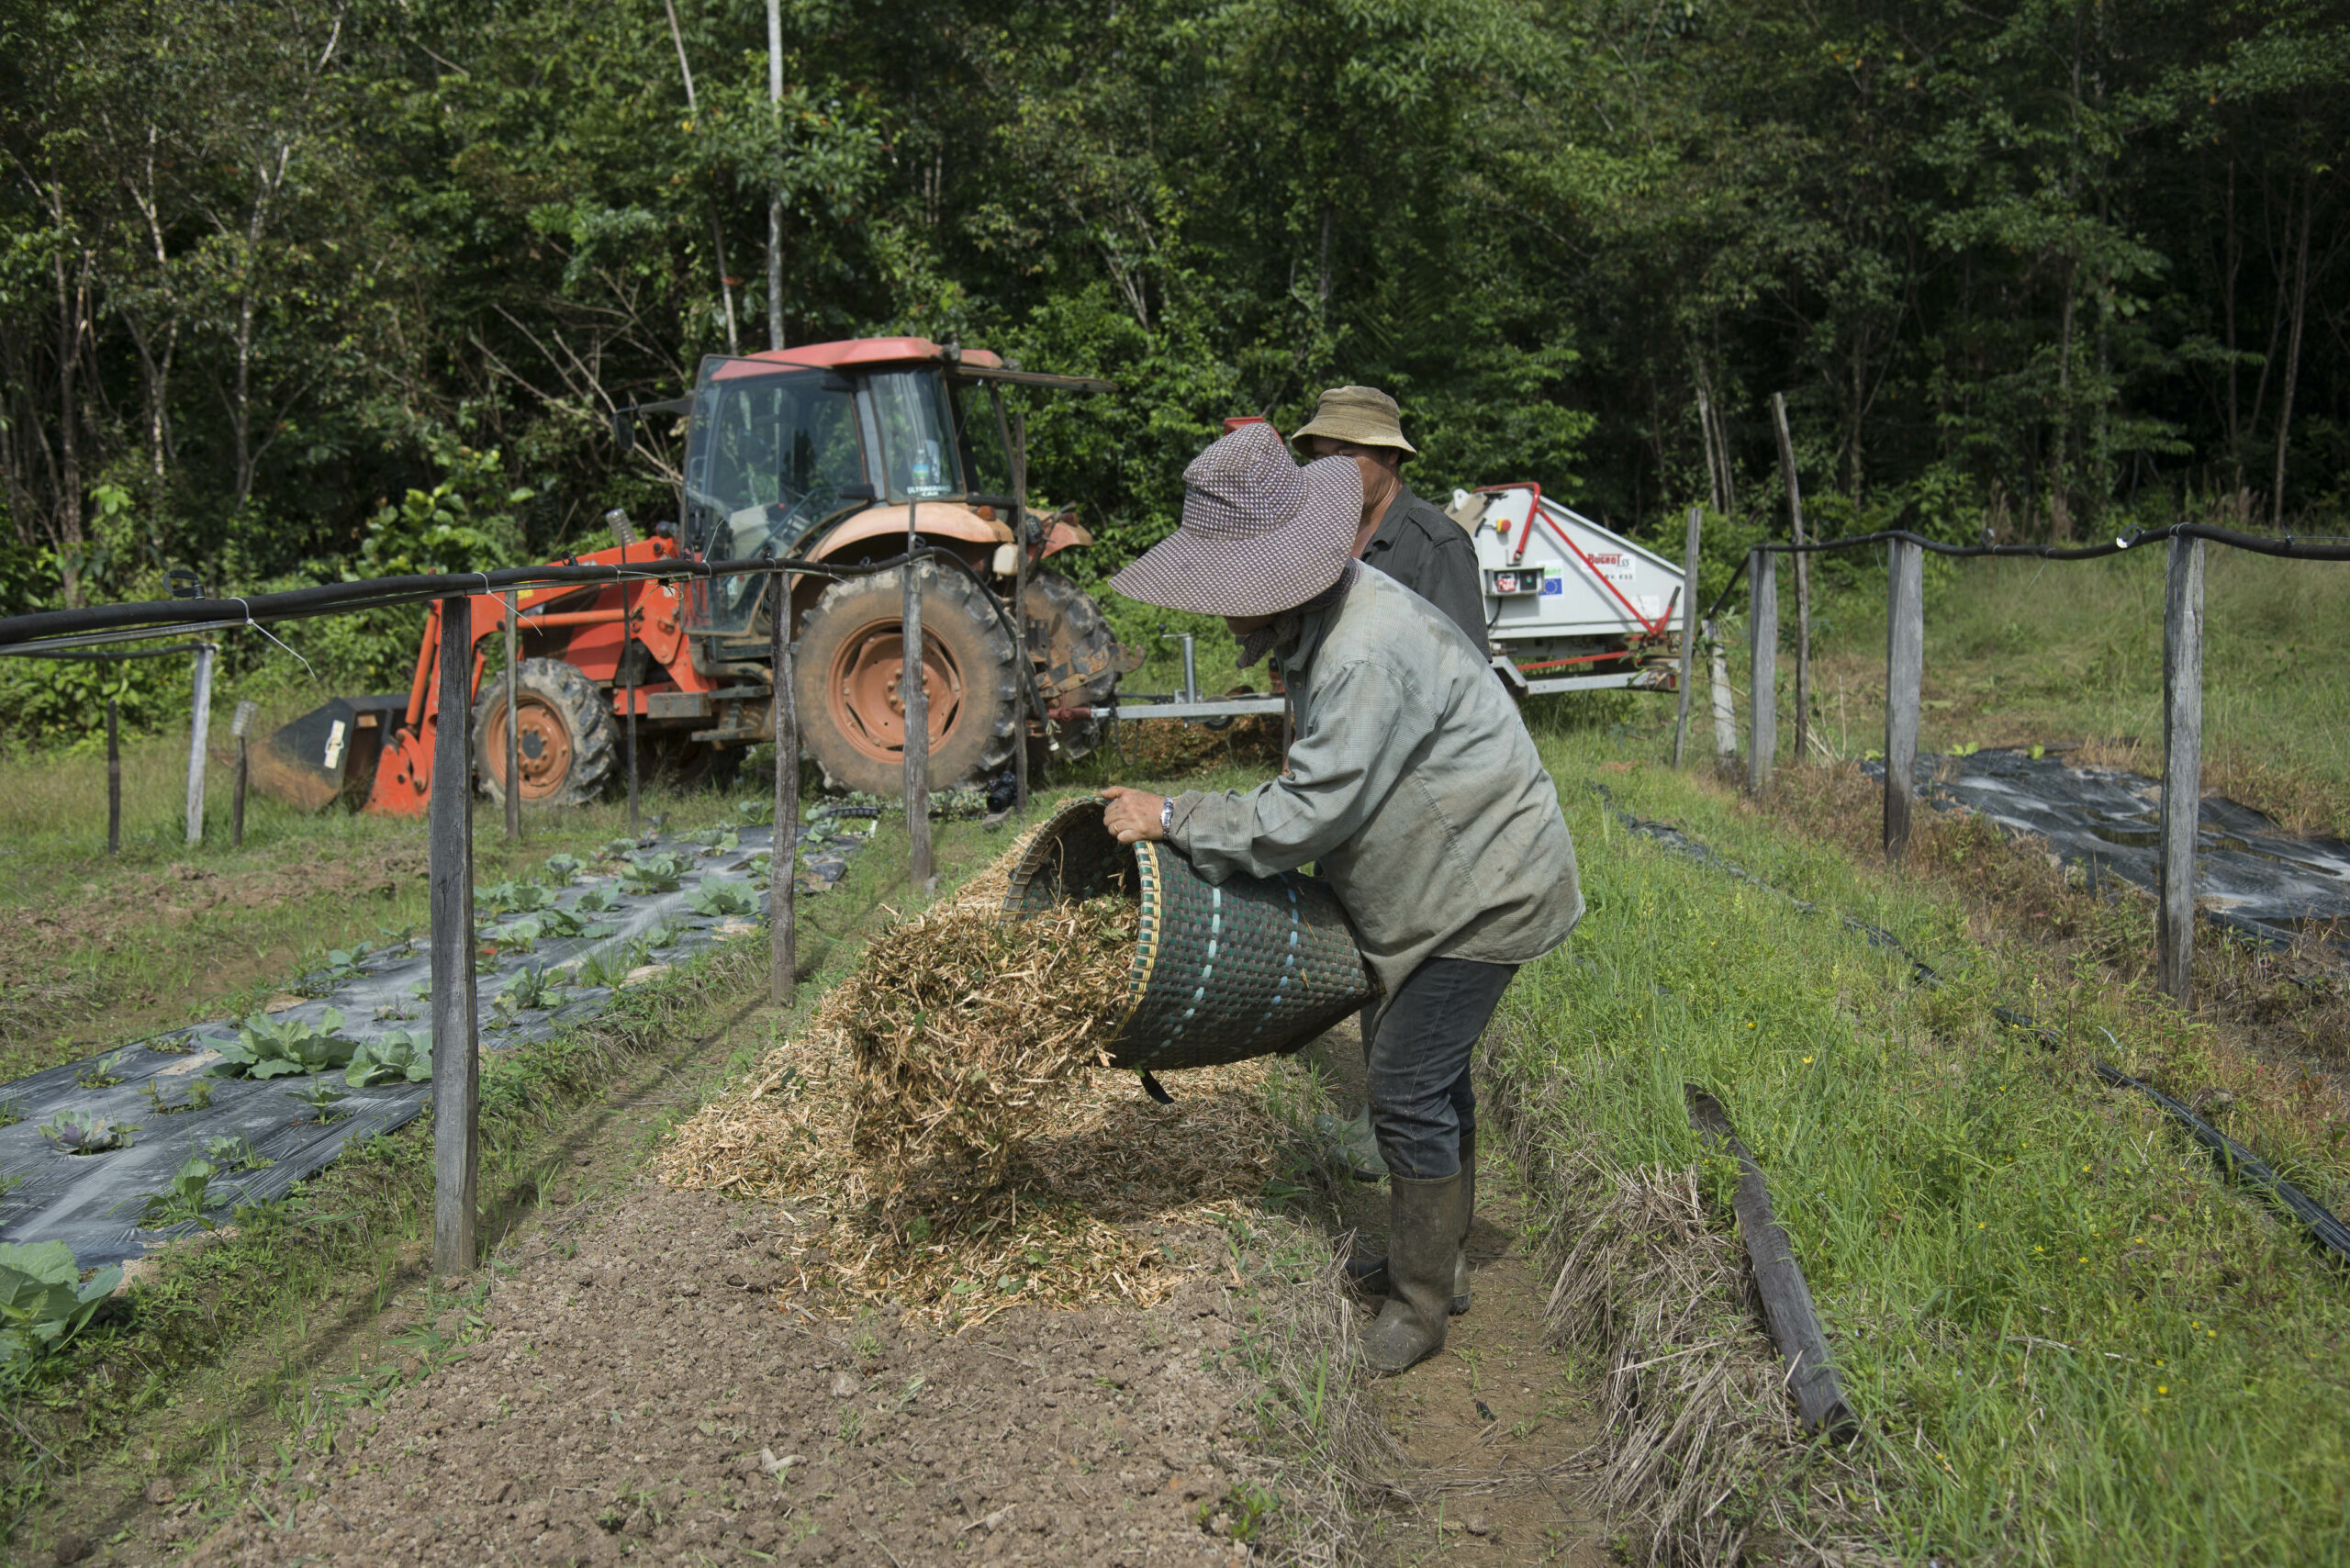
{"x":785,"y":449}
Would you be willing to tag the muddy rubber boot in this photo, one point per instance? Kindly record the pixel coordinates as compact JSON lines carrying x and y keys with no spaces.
{"x":1368,"y":1276}
{"x":1423,"y":1249}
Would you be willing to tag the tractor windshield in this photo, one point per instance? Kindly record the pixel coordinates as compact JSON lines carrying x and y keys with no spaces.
{"x":768,"y":457}
{"x":917,"y":435}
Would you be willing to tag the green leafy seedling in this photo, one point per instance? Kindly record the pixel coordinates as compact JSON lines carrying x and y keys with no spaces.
{"x":720,"y":840}
{"x":656,"y":936}
{"x":757,"y":813}
{"x":395,"y":1056}
{"x":598,"y":901}
{"x":561,"y":869}
{"x":321,"y":1098}
{"x":81,"y":1132}
{"x":268,"y":1048}
{"x":189,"y":1200}
{"x":198,"y":1097}
{"x":718,"y":900}
{"x":518,"y":936}
{"x":234,"y":1154}
{"x":602,"y":967}
{"x":102,"y":1074}
{"x":398,"y":940}
{"x":656,"y":872}
{"x":618,"y":848}
{"x":43,"y":1302}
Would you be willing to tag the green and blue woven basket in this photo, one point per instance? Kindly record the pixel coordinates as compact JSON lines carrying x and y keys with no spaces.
{"x":1221,"y":972}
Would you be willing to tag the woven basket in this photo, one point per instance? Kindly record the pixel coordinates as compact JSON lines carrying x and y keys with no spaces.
{"x":1257,"y":966}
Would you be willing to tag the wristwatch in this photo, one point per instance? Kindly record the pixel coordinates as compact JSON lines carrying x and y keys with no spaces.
{"x":1166,"y":816}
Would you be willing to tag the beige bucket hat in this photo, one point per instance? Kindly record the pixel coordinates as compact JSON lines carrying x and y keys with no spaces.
{"x":1259,"y":534}
{"x":1363,"y":415}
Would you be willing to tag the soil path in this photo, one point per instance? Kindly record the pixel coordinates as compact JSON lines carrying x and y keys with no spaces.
{"x":1493,"y":1422}
{"x":642,"y":1387}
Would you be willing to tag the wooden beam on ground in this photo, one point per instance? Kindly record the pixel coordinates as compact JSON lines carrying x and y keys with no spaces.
{"x":1762,"y":639}
{"x":2182,"y":770}
{"x":783,"y":861}
{"x":456,"y":1071}
{"x":1803,"y":578}
{"x":1905,"y":661}
{"x":1688,"y":630}
{"x":199,"y":730}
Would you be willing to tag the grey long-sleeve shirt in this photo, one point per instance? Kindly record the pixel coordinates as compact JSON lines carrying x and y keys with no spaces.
{"x":1414,"y":787}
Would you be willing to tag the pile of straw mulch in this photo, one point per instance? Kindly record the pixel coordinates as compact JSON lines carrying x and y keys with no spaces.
{"x":941,"y":1146}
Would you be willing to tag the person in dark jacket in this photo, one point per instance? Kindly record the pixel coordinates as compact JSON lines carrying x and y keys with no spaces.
{"x":1400,"y":534}
{"x":1416,"y":545}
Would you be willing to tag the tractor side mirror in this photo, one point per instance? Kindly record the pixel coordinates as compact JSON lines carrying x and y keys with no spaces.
{"x":856,"y":493}
{"x":625,"y":431}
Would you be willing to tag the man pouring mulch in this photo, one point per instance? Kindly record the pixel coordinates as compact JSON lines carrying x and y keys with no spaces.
{"x":1413,"y":787}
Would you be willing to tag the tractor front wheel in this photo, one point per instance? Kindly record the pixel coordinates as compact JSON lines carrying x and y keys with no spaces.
{"x":846,"y":667}
{"x":565,"y":731}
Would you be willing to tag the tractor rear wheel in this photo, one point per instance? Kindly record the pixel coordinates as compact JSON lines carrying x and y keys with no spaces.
{"x":846,"y":666}
{"x":563,"y":729}
{"x":1076,"y":652}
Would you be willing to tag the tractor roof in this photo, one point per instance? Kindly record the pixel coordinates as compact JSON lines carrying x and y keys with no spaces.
{"x":859,"y":352}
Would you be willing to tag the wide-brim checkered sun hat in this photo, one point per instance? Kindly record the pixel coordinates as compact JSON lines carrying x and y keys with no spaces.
{"x":1259,"y":534}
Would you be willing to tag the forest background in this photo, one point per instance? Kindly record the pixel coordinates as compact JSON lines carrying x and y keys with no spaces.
{"x":293,"y":290}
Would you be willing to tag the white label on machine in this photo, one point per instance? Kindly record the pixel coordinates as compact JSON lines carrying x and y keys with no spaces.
{"x":334,"y":746}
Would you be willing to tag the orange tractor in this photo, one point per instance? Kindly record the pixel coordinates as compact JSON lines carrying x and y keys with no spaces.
{"x":818,"y":454}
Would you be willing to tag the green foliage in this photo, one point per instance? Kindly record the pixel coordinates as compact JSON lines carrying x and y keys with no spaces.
{"x":562,"y":870}
{"x":396,"y":1056}
{"x":720,"y":900}
{"x":43,"y":1303}
{"x":233,"y":1155}
{"x":656,"y":871}
{"x":720,"y":840}
{"x":188,"y":1201}
{"x":323,"y":1099}
{"x":533,"y":987}
{"x":279,"y":1047}
{"x":197,"y":1096}
{"x":86,"y":1132}
{"x":102,"y":1074}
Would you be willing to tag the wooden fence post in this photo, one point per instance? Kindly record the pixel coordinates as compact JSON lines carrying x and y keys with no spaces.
{"x":1763,"y":638}
{"x":113,"y":779}
{"x":513,"y":710}
{"x":1025,"y":666}
{"x":628,"y":664}
{"x":240,"y":726}
{"x":914,"y":697}
{"x":1688,"y":630}
{"x":456,"y":1065}
{"x":1904,"y":660}
{"x":1803,"y":579}
{"x":2182,"y":770}
{"x":199,"y":730}
{"x":783,"y":862}
{"x":1725,"y":713}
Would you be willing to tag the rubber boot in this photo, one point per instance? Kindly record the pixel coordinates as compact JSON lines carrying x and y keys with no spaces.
{"x":1424,"y":1247}
{"x":1369,"y":1275}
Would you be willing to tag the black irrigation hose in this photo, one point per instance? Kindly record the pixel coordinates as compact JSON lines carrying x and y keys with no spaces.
{"x":2239,"y":1162}
{"x":2286,"y":546}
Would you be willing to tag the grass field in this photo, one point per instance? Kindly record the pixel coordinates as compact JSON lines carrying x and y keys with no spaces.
{"x":2020,"y":652}
{"x":2068,"y":1340}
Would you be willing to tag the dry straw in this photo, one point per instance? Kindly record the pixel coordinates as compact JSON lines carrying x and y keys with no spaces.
{"x":938,"y":1146}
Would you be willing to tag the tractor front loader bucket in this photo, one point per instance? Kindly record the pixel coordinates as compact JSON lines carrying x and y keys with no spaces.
{"x":310,"y":762}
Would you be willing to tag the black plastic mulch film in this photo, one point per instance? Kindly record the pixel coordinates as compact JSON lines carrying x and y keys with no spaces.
{"x":2233,"y":1159}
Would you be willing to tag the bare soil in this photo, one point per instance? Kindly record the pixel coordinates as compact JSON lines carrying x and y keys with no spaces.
{"x":638,"y":1388}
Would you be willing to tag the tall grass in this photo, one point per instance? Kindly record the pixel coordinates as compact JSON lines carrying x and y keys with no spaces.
{"x":2069,"y":1342}
{"x":2022,"y":651}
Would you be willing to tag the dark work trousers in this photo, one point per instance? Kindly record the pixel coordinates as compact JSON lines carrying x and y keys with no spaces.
{"x":1418,"y":1064}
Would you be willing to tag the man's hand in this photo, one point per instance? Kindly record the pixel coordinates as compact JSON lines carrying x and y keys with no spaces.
{"x":1134,"y":813}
